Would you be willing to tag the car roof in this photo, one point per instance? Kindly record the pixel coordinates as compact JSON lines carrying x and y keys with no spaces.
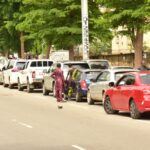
{"x":71,"y":62}
{"x":141,"y":72}
{"x":90,"y":70}
{"x":39,"y":60}
{"x":120,"y":70}
{"x":16,"y":60}
{"x":96,"y":60}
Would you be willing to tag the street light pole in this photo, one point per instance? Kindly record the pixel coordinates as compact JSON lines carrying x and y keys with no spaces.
{"x":85,"y":29}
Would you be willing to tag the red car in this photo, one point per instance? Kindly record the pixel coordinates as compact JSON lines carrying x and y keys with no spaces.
{"x":131,"y":93}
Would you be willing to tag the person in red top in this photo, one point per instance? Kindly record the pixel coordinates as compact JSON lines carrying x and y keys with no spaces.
{"x":59,"y":84}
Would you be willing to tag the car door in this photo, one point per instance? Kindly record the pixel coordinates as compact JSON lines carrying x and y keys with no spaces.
{"x":8,"y":70}
{"x":126,"y":92}
{"x":116,"y":96}
{"x":48,"y":79}
{"x":23,"y":73}
{"x":93,"y":86}
{"x":101,"y":83}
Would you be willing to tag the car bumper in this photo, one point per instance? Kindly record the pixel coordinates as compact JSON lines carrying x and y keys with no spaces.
{"x":144,"y":105}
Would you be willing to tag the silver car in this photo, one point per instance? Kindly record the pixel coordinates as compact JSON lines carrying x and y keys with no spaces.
{"x":49,"y":82}
{"x":97,"y":88}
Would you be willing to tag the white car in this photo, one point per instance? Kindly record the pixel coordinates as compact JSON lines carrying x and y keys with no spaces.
{"x":3,"y":63}
{"x":11,"y":72}
{"x":31,"y":76}
{"x":98,"y":87}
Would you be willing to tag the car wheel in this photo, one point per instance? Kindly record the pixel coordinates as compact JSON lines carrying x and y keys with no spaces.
{"x":29,"y":89}
{"x":78,"y":97}
{"x":134,"y":113}
{"x":45,"y":92}
{"x":108,"y":107}
{"x":19,"y":86}
{"x":89,"y":99}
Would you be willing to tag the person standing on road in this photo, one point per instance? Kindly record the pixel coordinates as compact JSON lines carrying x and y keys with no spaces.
{"x":59,"y":84}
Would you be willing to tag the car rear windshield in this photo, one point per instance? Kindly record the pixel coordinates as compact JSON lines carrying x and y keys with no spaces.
{"x":88,"y":75}
{"x":20,"y":65}
{"x":99,"y":65}
{"x":145,"y":78}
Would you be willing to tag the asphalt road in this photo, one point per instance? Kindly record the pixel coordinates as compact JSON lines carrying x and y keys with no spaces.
{"x":33,"y":122}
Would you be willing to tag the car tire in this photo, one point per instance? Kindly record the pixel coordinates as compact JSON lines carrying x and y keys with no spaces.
{"x":90,"y":101}
{"x":78,"y":97}
{"x":134,"y":113}
{"x":29,"y":89}
{"x":45,"y":92}
{"x":108,"y":107}
{"x":19,"y":86}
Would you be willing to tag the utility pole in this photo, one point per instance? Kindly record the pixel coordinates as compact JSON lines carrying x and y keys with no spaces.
{"x":85,"y":29}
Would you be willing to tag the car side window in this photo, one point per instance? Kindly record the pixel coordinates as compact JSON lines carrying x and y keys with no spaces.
{"x":39,"y":64}
{"x":105,"y":76}
{"x":122,"y":82}
{"x":130,"y":80}
{"x":45,"y":64}
{"x":126,"y":81}
{"x":33,"y":64}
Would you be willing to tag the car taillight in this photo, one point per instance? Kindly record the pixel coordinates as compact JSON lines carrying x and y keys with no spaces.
{"x":83,"y":84}
{"x":33,"y":74}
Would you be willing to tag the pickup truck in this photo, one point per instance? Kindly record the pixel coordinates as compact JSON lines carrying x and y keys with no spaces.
{"x":31,"y":76}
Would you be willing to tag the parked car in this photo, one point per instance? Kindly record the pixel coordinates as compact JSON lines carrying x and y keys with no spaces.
{"x":98,"y":87}
{"x":49,"y":82}
{"x":131,"y":93}
{"x":3,"y":64}
{"x":11,"y":72}
{"x":80,"y":84}
{"x":98,"y":63}
{"x":32,"y":75}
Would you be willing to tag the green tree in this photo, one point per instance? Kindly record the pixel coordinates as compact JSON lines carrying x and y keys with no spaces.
{"x":133,"y":16}
{"x":58,"y":22}
{"x":8,"y":35}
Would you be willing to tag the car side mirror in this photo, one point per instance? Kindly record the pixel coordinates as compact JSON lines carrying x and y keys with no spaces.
{"x":111,"y":84}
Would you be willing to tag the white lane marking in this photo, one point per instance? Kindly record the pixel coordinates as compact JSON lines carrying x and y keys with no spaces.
{"x":22,"y":124}
{"x":78,"y":106}
{"x":78,"y":147}
{"x":25,"y":125}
